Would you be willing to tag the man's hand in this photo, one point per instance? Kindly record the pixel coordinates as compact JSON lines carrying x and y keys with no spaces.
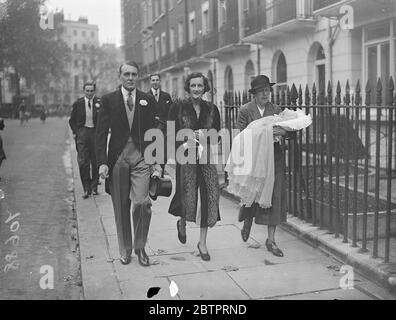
{"x":74,"y":136}
{"x":104,"y":171}
{"x":157,"y":171}
{"x":278,"y":131}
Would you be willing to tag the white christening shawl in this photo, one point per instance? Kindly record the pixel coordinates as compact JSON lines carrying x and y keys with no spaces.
{"x":251,"y":167}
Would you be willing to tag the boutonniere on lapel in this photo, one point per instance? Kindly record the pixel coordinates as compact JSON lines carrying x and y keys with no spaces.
{"x":97,"y":104}
{"x":168,"y":101}
{"x":143,"y":103}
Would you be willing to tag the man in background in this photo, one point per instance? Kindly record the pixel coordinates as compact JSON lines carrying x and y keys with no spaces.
{"x":83,"y":123}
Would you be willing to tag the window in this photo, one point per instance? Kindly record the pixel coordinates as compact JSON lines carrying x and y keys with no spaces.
{"x":192,"y":27}
{"x":75,"y":32}
{"x":222,"y":12}
{"x":281,"y":73}
{"x":320,"y":64}
{"x":172,"y":40}
{"x":84,"y":47}
{"x":205,"y":18}
{"x":75,"y":47}
{"x":156,"y":8}
{"x":92,"y":34}
{"x":249,"y":74}
{"x":151,"y":50}
{"x":180,"y":31}
{"x":84,"y":33}
{"x":163,"y":6}
{"x":378,"y":56}
{"x":229,"y":79}
{"x":84,"y":64}
{"x":171,"y":4}
{"x":75,"y":63}
{"x":163,"y":44}
{"x":157,"y":48}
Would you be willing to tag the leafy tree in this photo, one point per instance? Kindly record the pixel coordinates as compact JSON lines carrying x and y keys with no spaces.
{"x":35,"y":54}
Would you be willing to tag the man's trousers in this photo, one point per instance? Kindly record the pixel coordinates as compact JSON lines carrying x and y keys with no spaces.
{"x":130,"y":182}
{"x":89,"y":172}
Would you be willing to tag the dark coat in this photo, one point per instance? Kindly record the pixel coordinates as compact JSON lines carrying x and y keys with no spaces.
{"x":278,"y":213}
{"x":163,"y":105}
{"x":78,"y":114}
{"x":113,"y":116}
{"x":190,"y":176}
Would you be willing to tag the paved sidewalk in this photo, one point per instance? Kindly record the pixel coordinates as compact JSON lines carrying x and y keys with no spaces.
{"x":237,"y":271}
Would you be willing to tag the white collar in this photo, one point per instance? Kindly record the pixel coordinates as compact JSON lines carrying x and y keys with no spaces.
{"x":156,"y":90}
{"x":86,"y":99}
{"x":125,"y":92}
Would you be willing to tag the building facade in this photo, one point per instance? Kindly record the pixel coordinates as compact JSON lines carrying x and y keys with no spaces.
{"x":292,"y":41}
{"x":82,"y":38}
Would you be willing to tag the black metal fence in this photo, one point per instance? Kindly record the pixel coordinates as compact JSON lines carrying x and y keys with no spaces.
{"x":340,"y":171}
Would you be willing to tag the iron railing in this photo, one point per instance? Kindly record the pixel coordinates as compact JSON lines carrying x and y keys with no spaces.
{"x":320,"y":4}
{"x":341,"y":169}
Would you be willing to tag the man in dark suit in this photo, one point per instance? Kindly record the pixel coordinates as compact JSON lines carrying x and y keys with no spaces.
{"x":129,"y":113}
{"x":83,"y":123}
{"x":163,"y":101}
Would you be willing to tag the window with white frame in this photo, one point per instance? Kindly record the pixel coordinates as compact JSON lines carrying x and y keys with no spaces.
{"x":205,"y":18}
{"x":192,"y":27}
{"x":150,"y":12}
{"x":180,"y":34}
{"x":156,"y":8}
{"x":151,"y":50}
{"x":222,"y":12}
{"x":380,"y":56}
{"x":172,"y":36}
{"x":157,"y":48}
{"x":171,"y":4}
{"x":163,"y":44}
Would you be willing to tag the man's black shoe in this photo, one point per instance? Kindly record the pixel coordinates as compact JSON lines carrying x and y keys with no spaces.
{"x":85,"y":195}
{"x":125,"y":260}
{"x":142,"y":257}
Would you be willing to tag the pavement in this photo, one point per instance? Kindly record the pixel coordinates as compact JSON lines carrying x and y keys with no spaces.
{"x":237,"y":270}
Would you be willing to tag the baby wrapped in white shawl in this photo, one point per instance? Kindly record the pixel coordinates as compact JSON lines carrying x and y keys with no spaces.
{"x":251,"y":167}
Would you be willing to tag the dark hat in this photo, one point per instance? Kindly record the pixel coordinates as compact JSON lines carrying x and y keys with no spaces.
{"x":260,"y":82}
{"x":160,"y":187}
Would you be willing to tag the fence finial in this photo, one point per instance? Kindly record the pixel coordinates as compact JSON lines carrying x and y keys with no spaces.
{"x":293,"y":95}
{"x":300,"y":96}
{"x":347,"y":94}
{"x":338,"y":94}
{"x":379,"y":92}
{"x":288,"y":96}
{"x":307,"y":96}
{"x":358,"y":97}
{"x":314,"y":94}
{"x":329,"y":93}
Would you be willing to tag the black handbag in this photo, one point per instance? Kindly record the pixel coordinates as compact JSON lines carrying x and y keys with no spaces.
{"x":160,"y":187}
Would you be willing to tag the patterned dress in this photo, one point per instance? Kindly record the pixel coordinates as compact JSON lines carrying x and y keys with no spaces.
{"x":191,"y":177}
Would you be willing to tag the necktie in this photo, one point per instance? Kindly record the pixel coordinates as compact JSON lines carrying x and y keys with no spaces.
{"x":156,"y":95}
{"x":89,"y":104}
{"x":130,"y":101}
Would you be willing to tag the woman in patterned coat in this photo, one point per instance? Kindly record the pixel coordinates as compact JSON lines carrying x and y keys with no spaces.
{"x":196,"y":115}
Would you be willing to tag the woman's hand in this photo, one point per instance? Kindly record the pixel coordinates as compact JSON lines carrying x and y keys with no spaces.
{"x":278,"y":131}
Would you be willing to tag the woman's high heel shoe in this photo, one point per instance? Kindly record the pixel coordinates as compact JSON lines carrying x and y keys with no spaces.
{"x":204,"y":256}
{"x":272,"y":247}
{"x":182,"y":239}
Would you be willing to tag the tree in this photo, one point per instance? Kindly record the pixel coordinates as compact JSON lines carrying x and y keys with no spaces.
{"x":35,"y":54}
{"x":103,"y":65}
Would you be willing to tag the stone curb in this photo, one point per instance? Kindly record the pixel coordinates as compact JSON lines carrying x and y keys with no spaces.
{"x":373,"y":269}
